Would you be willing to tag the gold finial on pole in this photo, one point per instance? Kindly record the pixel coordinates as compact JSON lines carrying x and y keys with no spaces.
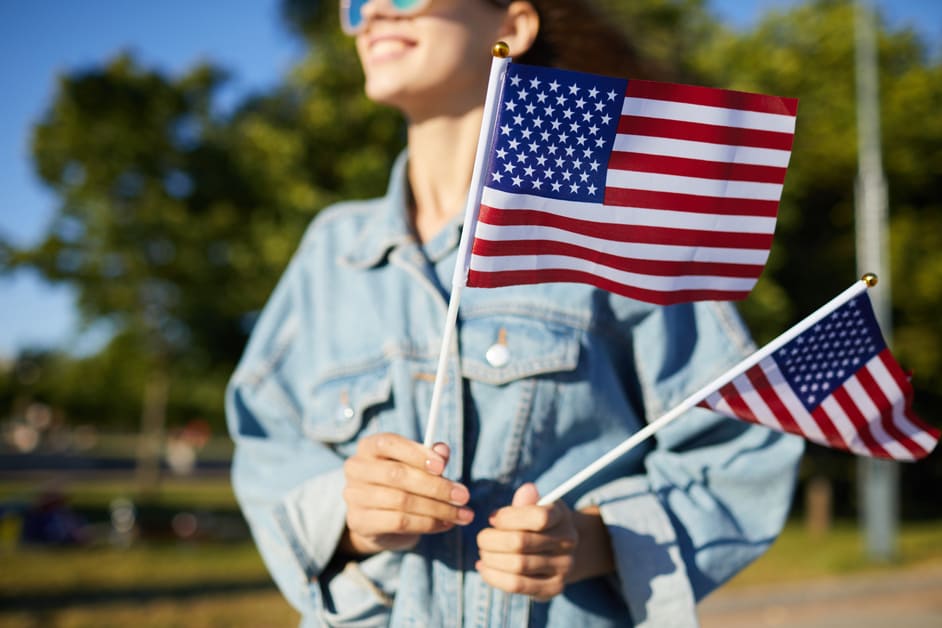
{"x":501,"y":50}
{"x":870,"y":279}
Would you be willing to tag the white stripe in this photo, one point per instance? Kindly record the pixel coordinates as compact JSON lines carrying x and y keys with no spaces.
{"x":871,"y":412}
{"x":631,"y":250}
{"x":634,"y":216}
{"x":786,"y":395}
{"x":845,"y":427}
{"x":490,"y":264}
{"x":690,"y":149}
{"x":693,"y":185}
{"x":891,"y":389}
{"x":707,"y":114}
{"x":756,"y":403}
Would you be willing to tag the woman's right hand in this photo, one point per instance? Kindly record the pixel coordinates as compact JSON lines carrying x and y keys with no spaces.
{"x":395,"y":493}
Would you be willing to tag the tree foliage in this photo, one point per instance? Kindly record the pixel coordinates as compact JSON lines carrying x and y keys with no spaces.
{"x":176,"y":219}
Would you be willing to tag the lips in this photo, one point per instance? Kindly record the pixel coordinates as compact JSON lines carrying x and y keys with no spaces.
{"x":387,"y":47}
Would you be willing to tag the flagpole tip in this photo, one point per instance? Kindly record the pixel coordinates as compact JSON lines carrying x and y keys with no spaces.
{"x":501,"y":50}
{"x":870,"y":279}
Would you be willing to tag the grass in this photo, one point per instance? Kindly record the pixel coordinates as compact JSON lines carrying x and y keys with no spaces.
{"x":207,"y":583}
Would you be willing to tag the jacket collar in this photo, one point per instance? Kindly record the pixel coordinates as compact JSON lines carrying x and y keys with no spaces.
{"x":388,"y":227}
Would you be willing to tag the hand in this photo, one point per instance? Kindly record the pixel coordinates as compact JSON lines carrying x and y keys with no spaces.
{"x":395,"y":493}
{"x":529,"y":549}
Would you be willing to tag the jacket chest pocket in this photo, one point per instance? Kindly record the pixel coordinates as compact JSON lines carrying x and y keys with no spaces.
{"x":343,"y":406}
{"x":514,"y":366}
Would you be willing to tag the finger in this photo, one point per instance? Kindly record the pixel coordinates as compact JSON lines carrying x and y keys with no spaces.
{"x":372,"y":523}
{"x":392,"y":474}
{"x":369,"y":497}
{"x":389,"y":446}
{"x":531,"y":565}
{"x":529,"y":517}
{"x":539,"y":588}
{"x":526,"y":495}
{"x":517,"y":542}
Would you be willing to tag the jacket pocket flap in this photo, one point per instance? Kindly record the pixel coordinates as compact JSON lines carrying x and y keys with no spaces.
{"x":338,"y":407}
{"x":497,"y":350}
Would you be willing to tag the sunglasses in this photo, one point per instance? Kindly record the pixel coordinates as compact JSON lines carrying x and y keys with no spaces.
{"x":351,"y":11}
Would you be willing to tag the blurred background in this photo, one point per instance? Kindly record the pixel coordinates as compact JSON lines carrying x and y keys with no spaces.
{"x":158,"y":164}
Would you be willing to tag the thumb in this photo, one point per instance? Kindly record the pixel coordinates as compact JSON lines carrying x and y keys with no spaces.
{"x":526,"y":495}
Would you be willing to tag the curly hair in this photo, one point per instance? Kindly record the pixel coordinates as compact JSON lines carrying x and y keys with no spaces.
{"x":581,"y":35}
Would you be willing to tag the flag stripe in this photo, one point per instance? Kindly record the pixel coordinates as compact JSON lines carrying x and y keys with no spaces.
{"x":680,"y":129}
{"x":920,"y":432}
{"x":495,"y":200}
{"x":693,"y":185}
{"x":641,"y":162}
{"x":627,"y":197}
{"x":498,"y":248}
{"x":708,"y":114}
{"x":637,"y":250}
{"x":873,"y":382}
{"x":627,"y":233}
{"x":862,"y":427}
{"x":668,"y":295}
{"x":712,"y":97}
{"x":731,"y":153}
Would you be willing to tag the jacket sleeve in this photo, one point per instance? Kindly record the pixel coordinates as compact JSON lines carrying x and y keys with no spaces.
{"x":715,"y":492}
{"x":290,"y":486}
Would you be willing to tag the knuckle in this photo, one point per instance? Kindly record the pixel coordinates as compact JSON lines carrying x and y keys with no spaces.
{"x":395,"y":474}
{"x":401,"y":522}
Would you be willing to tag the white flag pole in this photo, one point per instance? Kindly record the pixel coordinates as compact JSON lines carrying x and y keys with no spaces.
{"x":499,"y":64}
{"x":869,"y":280}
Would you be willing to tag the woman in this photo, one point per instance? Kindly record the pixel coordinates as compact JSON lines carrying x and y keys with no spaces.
{"x":359,"y":523}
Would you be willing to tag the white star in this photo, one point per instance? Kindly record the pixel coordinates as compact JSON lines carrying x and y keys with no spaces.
{"x":536,"y":183}
{"x":541,"y":97}
{"x":513,"y":143}
{"x":592,"y":189}
{"x":511,"y":105}
{"x":521,"y":158}
{"x":509,"y":167}
{"x":549,"y":111}
{"x":573,"y":89}
{"x":567,"y":175}
{"x":517,"y":181}
{"x":574,"y":188}
{"x":567,"y":113}
{"x":580,"y":104}
{"x":523,"y":94}
{"x":505,"y":130}
{"x":515,"y":80}
{"x":535,"y":83}
{"x":593,"y":93}
{"x":528,"y":171}
{"x":541,"y":160}
{"x":531,"y":109}
{"x":612,"y":94}
{"x":556,"y":186}
{"x":554,"y":86}
{"x":526,"y":133}
{"x":549,"y":174}
{"x":496,"y":176}
{"x":501,"y":153}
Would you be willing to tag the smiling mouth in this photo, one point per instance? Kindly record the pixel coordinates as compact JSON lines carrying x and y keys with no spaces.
{"x":388,"y":47}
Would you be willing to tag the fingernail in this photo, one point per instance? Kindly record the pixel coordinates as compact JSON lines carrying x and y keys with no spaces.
{"x":441,"y":449}
{"x":465,"y":515}
{"x":435,"y":465}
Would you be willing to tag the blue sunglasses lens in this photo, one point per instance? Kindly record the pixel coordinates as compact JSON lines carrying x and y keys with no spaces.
{"x":351,"y":11}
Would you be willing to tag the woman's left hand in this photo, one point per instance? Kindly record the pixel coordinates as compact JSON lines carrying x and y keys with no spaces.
{"x":529,"y":549}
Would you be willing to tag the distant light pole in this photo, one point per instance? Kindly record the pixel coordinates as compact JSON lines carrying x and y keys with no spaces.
{"x":878,"y":480}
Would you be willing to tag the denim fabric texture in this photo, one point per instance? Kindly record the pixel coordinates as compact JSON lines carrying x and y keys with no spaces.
{"x":541,"y":381}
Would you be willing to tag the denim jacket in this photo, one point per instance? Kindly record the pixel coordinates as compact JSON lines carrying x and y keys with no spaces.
{"x":541,"y":381}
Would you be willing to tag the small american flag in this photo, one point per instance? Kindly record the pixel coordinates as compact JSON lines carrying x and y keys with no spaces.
{"x":835,"y":384}
{"x":661,"y":192}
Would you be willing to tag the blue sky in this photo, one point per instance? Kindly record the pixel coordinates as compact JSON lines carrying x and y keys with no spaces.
{"x":40,"y":39}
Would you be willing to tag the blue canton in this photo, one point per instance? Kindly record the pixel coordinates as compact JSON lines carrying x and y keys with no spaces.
{"x":554,"y":133}
{"x":821,"y":359}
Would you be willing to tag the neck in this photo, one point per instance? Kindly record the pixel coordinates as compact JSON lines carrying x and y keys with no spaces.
{"x":441,"y":158}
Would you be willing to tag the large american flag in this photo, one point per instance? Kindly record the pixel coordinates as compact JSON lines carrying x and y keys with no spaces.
{"x":836,"y":384}
{"x":657,"y":191}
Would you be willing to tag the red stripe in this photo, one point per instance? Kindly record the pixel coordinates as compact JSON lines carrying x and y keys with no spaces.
{"x":861,"y":425}
{"x":737,"y":405}
{"x":724,"y":171}
{"x":906,"y":389}
{"x":887,"y":412}
{"x":712,"y":97}
{"x":778,"y":407}
{"x":783,"y":415}
{"x":627,"y":233}
{"x":674,"y":201}
{"x":662,"y":268}
{"x":478,"y":279}
{"x":708,"y":133}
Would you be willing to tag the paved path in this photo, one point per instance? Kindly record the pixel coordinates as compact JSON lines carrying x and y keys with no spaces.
{"x":897,"y":599}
